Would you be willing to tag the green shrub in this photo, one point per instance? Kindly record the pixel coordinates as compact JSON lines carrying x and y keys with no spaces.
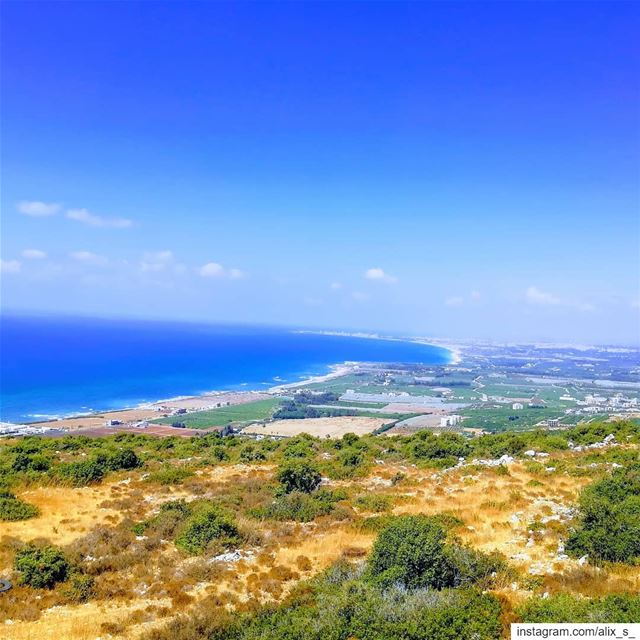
{"x":447,"y":446}
{"x":166,"y":523}
{"x":339,"y":605}
{"x":30,"y":462}
{"x":170,"y":475}
{"x":41,"y":567}
{"x":623,"y":430}
{"x":251,"y":454}
{"x":375,"y":503}
{"x":208,"y":524}
{"x":295,"y":475}
{"x":85,"y":472}
{"x":410,"y":551}
{"x":124,"y":459}
{"x":300,"y":507}
{"x":13,"y":508}
{"x":566,"y":607}
{"x":609,"y":526}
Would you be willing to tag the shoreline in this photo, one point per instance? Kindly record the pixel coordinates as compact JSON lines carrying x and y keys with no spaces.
{"x":151,"y":409}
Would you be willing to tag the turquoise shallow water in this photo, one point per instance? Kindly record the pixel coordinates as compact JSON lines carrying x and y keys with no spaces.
{"x":51,"y":367}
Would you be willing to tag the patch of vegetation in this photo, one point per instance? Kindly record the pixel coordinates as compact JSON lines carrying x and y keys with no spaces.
{"x":13,"y":508}
{"x":445,"y":448}
{"x":565,"y":607}
{"x":79,"y":588}
{"x":412,"y":551}
{"x":609,"y":526}
{"x":345,"y":603}
{"x":300,"y":507}
{"x":94,"y":469}
{"x":374,"y":502}
{"x":298,"y":476}
{"x":41,"y":567}
{"x":170,"y":475}
{"x":208,"y":526}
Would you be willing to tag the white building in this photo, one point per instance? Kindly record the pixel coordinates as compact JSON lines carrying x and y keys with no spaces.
{"x":516,"y":406}
{"x":450,"y":421}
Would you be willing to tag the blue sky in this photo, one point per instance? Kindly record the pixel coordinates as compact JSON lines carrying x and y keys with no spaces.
{"x":451,"y":169}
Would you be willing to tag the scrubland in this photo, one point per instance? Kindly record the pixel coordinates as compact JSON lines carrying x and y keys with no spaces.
{"x":232,"y":538}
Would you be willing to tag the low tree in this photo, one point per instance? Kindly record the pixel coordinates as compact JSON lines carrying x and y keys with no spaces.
{"x":298,"y":475}
{"x":411,"y":551}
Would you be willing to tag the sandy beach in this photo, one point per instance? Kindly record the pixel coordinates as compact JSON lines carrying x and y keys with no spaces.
{"x":154,"y":410}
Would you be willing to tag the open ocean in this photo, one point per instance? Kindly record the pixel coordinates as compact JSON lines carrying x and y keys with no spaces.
{"x":53,"y":366}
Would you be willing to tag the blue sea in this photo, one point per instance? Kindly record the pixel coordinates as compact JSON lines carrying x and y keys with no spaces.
{"x":59,"y":366}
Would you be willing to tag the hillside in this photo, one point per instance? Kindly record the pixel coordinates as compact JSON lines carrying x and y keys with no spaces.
{"x":186,"y":538}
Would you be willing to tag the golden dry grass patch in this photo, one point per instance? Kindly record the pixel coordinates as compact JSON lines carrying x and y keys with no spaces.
{"x":318,"y":427}
{"x":84,"y":622}
{"x":65,"y":513}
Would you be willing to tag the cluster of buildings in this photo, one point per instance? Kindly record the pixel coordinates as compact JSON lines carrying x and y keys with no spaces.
{"x":617,"y":403}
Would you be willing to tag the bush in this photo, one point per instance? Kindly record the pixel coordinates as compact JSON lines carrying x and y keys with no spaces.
{"x":411,"y":552}
{"x":375,"y":503}
{"x":251,"y":454}
{"x":609,"y":527}
{"x":41,"y":567}
{"x":124,"y":459}
{"x":566,"y":607}
{"x":207,"y":525}
{"x":170,"y":475}
{"x":340,"y":605}
{"x":300,"y":507}
{"x":298,"y":476}
{"x":13,"y":508}
{"x":30,"y":462}
{"x":166,"y":523}
{"x":85,"y":472}
{"x":447,"y":446}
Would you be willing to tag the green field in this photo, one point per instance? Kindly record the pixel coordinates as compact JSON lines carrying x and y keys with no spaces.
{"x":240,"y":413}
{"x":498,"y":419}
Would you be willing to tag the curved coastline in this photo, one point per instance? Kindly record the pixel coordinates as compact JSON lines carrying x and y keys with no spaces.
{"x":232,"y":359}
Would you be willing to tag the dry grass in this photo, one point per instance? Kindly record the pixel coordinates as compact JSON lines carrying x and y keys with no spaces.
{"x":319,"y":427}
{"x":147,"y":580}
{"x":65,"y":514}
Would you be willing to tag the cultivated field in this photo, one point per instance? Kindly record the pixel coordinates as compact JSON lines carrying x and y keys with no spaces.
{"x":318,"y":427}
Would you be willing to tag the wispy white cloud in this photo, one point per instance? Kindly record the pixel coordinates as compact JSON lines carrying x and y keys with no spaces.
{"x":212,"y":270}
{"x":360,"y":296}
{"x":216,"y":270}
{"x":93,"y":220}
{"x":454,"y":301}
{"x":476,"y":295}
{"x":38,"y":209}
{"x":378,"y":274}
{"x":87,"y":257}
{"x":534,"y":295}
{"x":33,"y":254}
{"x":335,"y":286}
{"x":312,"y":302}
{"x":156,"y":260}
{"x":10,"y":266}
